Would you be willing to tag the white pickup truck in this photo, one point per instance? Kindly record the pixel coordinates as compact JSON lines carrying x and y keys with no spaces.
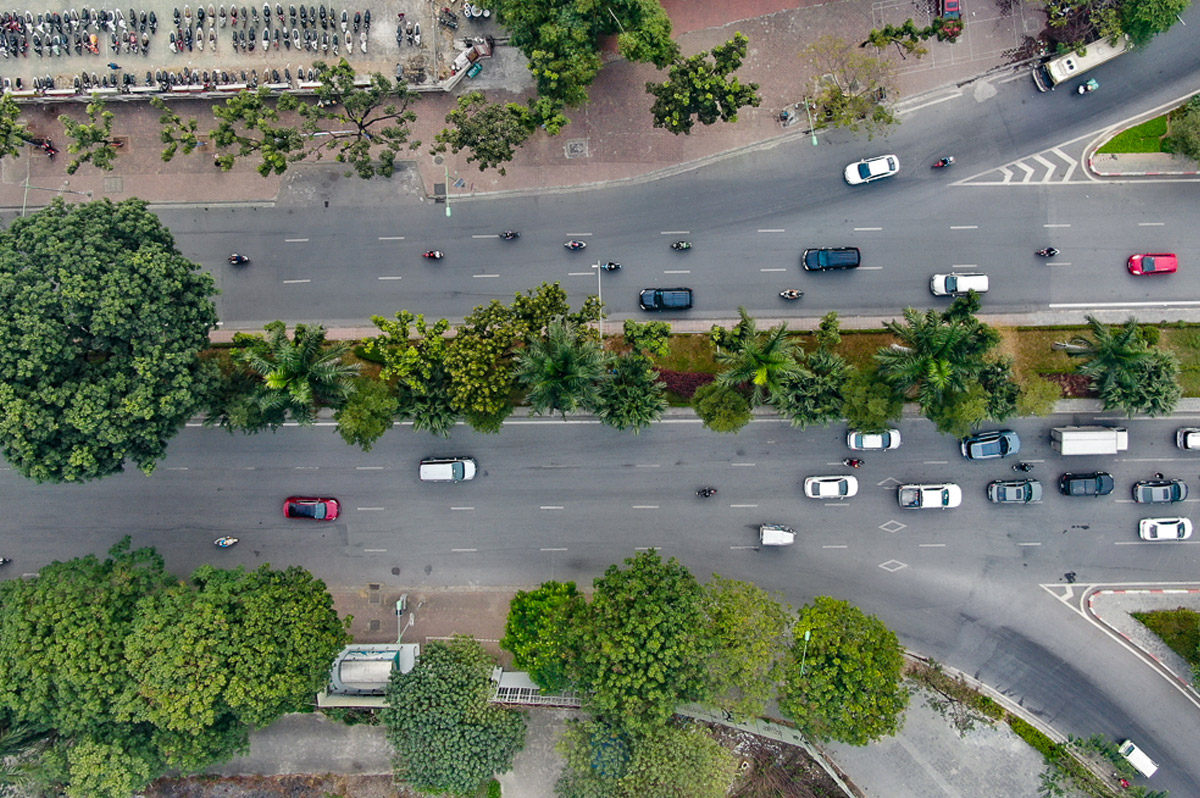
{"x":925,"y":497}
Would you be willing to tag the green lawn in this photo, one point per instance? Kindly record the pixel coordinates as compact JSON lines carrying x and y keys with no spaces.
{"x":1179,"y":629}
{"x":1146,"y":137}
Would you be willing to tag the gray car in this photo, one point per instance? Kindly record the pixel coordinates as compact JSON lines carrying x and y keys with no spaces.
{"x":1015,"y":491}
{"x":1159,"y":491}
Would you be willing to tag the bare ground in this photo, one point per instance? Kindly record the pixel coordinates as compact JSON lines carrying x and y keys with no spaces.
{"x":295,"y":786}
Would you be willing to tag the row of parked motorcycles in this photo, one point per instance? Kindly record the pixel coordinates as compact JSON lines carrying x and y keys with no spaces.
{"x":81,"y":30}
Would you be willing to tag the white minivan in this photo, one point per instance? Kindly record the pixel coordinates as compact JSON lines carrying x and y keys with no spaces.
{"x":1137,"y":757}
{"x":954,"y":284}
{"x":447,"y":469}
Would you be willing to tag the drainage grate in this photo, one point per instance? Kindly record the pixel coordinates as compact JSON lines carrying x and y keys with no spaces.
{"x":114,"y":185}
{"x":372,"y":626}
{"x":576,"y":148}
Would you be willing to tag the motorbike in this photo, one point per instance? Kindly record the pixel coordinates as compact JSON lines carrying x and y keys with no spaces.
{"x":435,"y":254}
{"x":224,"y":543}
{"x":679,"y":246}
{"x":510,"y":235}
{"x":791,"y":293}
{"x":1022,"y":467}
{"x":1088,"y":86}
{"x":1048,"y":252}
{"x":610,"y":266}
{"x":852,"y":462}
{"x":704,"y":493}
{"x":238,"y":260}
{"x":5,"y":560}
{"x":942,"y":163}
{"x":575,"y":246}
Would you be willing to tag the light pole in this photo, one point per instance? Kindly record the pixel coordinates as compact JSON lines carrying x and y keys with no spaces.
{"x":441,"y":160}
{"x":811,"y":128}
{"x":804,"y":655}
{"x":600,"y":296}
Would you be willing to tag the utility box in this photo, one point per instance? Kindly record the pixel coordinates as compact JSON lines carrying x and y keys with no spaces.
{"x":1089,"y":440}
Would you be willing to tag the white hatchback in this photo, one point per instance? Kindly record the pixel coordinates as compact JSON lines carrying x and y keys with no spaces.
{"x":839,"y":487}
{"x":1165,"y":528}
{"x":869,"y":170}
{"x":873,"y":441}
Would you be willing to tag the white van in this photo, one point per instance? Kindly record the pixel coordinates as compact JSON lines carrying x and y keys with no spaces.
{"x":954,"y":284}
{"x":776,"y":535}
{"x":447,"y":469}
{"x":1137,"y":757}
{"x":1091,"y":440}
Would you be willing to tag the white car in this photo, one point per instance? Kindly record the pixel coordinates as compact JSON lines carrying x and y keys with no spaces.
{"x":871,"y":169}
{"x":955,"y":284}
{"x":830,"y":487}
{"x":926,"y":497}
{"x":1187,"y":438}
{"x":1165,"y":528}
{"x":873,"y":441}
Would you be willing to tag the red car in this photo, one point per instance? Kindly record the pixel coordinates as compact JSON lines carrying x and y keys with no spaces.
{"x":311,"y":508}
{"x":1153,"y":263}
{"x":951,"y":9}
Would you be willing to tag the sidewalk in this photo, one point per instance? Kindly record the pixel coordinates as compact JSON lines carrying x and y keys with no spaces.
{"x":609,"y":139}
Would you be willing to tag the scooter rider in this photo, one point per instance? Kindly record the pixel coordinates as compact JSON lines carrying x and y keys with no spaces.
{"x":1048,"y":252}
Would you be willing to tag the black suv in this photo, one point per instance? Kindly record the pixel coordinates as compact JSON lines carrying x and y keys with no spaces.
{"x":820,"y":260}
{"x":665,"y":299}
{"x":1097,"y":483}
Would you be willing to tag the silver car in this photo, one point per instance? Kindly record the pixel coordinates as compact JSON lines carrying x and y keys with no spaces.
{"x":1159,"y":491}
{"x":1015,"y":491}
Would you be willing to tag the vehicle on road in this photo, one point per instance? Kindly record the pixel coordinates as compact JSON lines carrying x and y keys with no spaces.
{"x":869,"y":170}
{"x":1159,"y":491}
{"x":311,"y":508}
{"x":1187,"y":438}
{"x":941,"y":496}
{"x":990,"y":445}
{"x":776,"y":535}
{"x":1153,"y":263}
{"x":834,"y":487}
{"x":1137,"y":757}
{"x":447,"y":469}
{"x":1093,"y":483}
{"x":1015,"y":491}
{"x":791,"y":294}
{"x":665,"y":299}
{"x":1165,"y":528}
{"x":955,"y":284}
{"x":1093,"y":440}
{"x":1048,"y":75}
{"x":873,"y":441}
{"x":829,"y":258}
{"x":951,"y":9}
{"x":943,"y":162}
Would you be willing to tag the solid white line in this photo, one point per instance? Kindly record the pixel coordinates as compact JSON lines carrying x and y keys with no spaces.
{"x":369,"y":509}
{"x":560,"y":548}
{"x":392,"y":277}
{"x":644,"y":507}
{"x":674,"y":232}
{"x":743,"y":506}
{"x":457,"y":509}
{"x":931,"y":545}
{"x":1164,"y":304}
{"x":294,"y":240}
{"x":1152,"y":224}
{"x":477,"y":276}
{"x":867,"y":229}
{"x":368,"y":468}
{"x":772,"y":270}
{"x":677,"y":271}
{"x":391,"y":238}
{"x":550,"y":507}
{"x":290,"y":282}
{"x":964,"y":227}
{"x":771,"y":230}
{"x":1049,"y":226}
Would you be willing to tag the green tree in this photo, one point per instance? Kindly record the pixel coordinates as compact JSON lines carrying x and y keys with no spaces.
{"x":1184,"y":135}
{"x":92,"y":141}
{"x":696,"y":90}
{"x":1000,"y":387}
{"x":673,"y":759}
{"x":851,"y":88}
{"x":447,"y":736}
{"x":479,"y":361}
{"x":763,"y":361}
{"x":99,"y":342}
{"x":597,"y":756}
{"x":906,"y":37}
{"x":843,"y":681}
{"x":961,"y":411}
{"x":536,"y":632}
{"x":490,"y":132}
{"x":749,"y":627}
{"x":561,"y":372}
{"x":299,"y":375}
{"x":632,"y":397}
{"x":1124,"y":370}
{"x":368,"y":413}
{"x":21,"y":750}
{"x":1038,"y":397}
{"x":651,"y":338}
{"x":640,"y":646}
{"x":14,"y":135}
{"x":813,"y":395}
{"x":868,"y":403}
{"x":721,"y":408}
{"x":1145,"y":19}
{"x":364,"y":126}
{"x":248,"y":124}
{"x":419,"y":365}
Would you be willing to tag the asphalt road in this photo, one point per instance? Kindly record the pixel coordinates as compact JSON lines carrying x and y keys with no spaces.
{"x":976,"y":586}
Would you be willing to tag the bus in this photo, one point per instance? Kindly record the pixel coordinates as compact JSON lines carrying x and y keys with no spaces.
{"x":1049,"y":74}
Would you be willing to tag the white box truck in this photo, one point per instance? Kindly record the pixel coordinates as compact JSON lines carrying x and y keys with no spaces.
{"x":1137,"y":757}
{"x":1089,"y":440}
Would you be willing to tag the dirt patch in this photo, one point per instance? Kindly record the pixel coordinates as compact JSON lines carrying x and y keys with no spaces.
{"x":771,"y":769}
{"x":305,"y":786}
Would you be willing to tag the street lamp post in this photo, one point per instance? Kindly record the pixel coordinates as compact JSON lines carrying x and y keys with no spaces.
{"x":446,"y":167}
{"x":811,"y":128}
{"x":804,"y":655}
{"x":600,"y":296}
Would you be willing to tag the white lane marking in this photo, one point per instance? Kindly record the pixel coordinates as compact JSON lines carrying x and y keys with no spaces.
{"x":462,"y":551}
{"x":1029,"y":544}
{"x":487,"y":235}
{"x":674,"y":232}
{"x":644,"y":507}
{"x":580,"y":274}
{"x":369,"y":509}
{"x":743,"y":506}
{"x":871,"y":268}
{"x":375,"y":551}
{"x":477,"y":276}
{"x":677,"y":271}
{"x":771,"y":230}
{"x":742,"y":465}
{"x":964,"y":227}
{"x":294,"y":240}
{"x":935,"y":462}
{"x":772,"y":270}
{"x":293,"y":282}
{"x":391,"y":238}
{"x":836,"y":503}
{"x":461,"y":509}
{"x":391,"y":277}
{"x":867,"y":229}
{"x":560,"y":548}
{"x":1059,"y":263}
{"x":579,"y":235}
{"x":647,"y":465}
{"x":368,"y":468}
{"x":743,"y":548}
{"x":931,"y":545}
{"x":178,"y":468}
{"x":964,"y":266}
{"x":1049,"y":226}
{"x":306,"y":468}
{"x":835,"y":546}
{"x":1166,"y":303}
{"x":550,"y":507}
{"x":1152,"y":224}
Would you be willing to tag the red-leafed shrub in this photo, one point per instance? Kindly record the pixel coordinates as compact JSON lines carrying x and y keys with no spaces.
{"x":684,"y":383}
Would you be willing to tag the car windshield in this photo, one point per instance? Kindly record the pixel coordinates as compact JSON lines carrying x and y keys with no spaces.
{"x":864,"y":170}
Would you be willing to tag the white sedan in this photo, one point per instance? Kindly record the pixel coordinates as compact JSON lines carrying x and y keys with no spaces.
{"x":873,"y":441}
{"x":1165,"y":528}
{"x":830,"y":487}
{"x":869,"y":170}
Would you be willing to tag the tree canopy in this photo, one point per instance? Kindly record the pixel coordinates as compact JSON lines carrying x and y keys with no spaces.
{"x":852,"y":87}
{"x":536,"y":631}
{"x":447,"y":736}
{"x":1125,"y":370}
{"x":748,"y":626}
{"x":14,"y":135}
{"x":1145,"y":19}
{"x":697,"y":91}
{"x":91,"y":141}
{"x":99,"y":340}
{"x":490,"y":132}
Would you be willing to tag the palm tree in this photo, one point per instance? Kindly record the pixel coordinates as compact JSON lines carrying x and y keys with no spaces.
{"x":1125,"y":371}
{"x":634,"y":397}
{"x":561,"y":371}
{"x":299,"y":375}
{"x":21,"y":748}
{"x":938,"y":357}
{"x":764,"y":361}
